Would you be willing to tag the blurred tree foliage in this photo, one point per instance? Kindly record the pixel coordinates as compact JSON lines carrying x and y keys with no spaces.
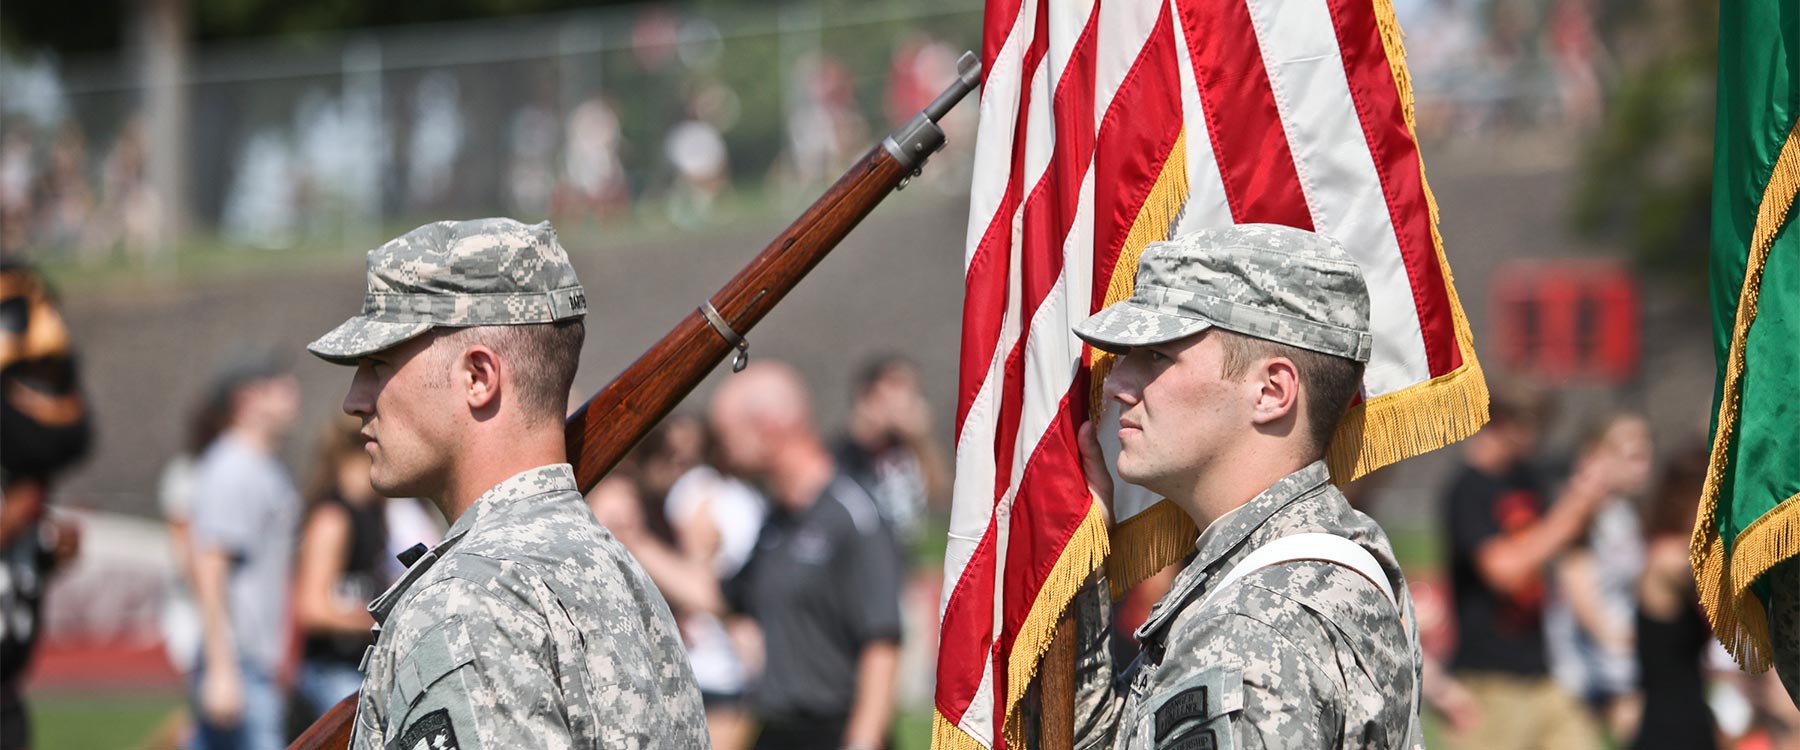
{"x":1646,"y":173}
{"x":79,"y":26}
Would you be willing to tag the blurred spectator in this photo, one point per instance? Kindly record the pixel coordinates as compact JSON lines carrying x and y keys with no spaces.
{"x":44,"y":428}
{"x":1501,"y":539}
{"x":436,"y":140}
{"x":243,"y":522}
{"x":1775,"y":719}
{"x":18,"y":181}
{"x":130,"y":214}
{"x":262,"y":207}
{"x":889,"y":448}
{"x":341,"y":566}
{"x":688,"y":511}
{"x":921,"y":67}
{"x":1672,"y":633}
{"x":593,"y":176}
{"x":1588,"y":621}
{"x":68,"y":201}
{"x":175,"y":496}
{"x":715,"y":519}
{"x":823,"y":123}
{"x":823,"y":583}
{"x":532,"y":175}
{"x":697,"y":152}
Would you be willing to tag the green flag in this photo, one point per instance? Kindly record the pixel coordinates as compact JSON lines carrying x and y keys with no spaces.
{"x":1749,"y":520}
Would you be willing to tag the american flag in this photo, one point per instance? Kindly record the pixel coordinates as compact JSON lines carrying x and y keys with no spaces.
{"x":1109,"y":125}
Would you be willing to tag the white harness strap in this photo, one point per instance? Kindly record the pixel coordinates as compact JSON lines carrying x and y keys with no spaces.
{"x":1327,"y":548}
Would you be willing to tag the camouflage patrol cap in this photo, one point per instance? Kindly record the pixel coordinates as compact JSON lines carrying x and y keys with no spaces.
{"x":457,"y":274}
{"x":1273,"y":282}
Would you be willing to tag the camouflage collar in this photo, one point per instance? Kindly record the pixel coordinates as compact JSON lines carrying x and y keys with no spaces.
{"x":1225,"y":536}
{"x":496,"y":503}
{"x":499,"y":501}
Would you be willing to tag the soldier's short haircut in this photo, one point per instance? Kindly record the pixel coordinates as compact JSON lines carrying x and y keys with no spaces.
{"x":1327,"y":383}
{"x":542,"y":359}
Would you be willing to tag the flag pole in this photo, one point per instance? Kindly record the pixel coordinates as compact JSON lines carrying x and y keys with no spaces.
{"x":1056,"y":688}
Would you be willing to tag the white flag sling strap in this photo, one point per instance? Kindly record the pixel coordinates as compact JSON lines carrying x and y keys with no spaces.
{"x":1326,"y":548}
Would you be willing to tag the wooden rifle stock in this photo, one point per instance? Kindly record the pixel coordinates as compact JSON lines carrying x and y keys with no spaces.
{"x":605,"y":428}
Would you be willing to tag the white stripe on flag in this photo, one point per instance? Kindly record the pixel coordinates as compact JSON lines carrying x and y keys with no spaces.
{"x":994,"y":146}
{"x":1337,"y":172}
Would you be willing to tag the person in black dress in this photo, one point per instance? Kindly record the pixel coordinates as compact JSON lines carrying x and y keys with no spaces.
{"x":1672,"y":633}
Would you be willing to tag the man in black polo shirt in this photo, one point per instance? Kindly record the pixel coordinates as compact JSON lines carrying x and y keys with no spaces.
{"x":823,"y":583}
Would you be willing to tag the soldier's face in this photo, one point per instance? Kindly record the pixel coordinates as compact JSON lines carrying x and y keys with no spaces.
{"x":404,"y":399}
{"x":1175,"y":412}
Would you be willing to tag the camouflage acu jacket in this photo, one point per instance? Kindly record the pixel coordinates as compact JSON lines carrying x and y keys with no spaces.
{"x":1304,"y":654}
{"x":529,"y":626}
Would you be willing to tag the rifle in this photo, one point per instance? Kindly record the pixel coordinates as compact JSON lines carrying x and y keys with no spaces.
{"x":605,"y":428}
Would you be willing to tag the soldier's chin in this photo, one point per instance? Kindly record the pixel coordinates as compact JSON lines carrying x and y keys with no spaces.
{"x":1131,"y":472}
{"x":392,"y":487}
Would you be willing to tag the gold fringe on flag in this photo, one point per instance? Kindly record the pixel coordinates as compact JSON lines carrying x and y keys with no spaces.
{"x":947,"y":736}
{"x":1087,"y":547}
{"x":1399,"y":425}
{"x":1080,"y":557}
{"x":1148,"y":542}
{"x":1737,"y":615}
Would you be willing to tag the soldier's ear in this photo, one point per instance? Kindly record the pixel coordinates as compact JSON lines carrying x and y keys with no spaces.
{"x":1277,"y":384}
{"x":480,"y":376}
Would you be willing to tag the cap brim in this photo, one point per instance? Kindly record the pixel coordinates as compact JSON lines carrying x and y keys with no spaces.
{"x":1124,"y":325}
{"x":359,"y":337}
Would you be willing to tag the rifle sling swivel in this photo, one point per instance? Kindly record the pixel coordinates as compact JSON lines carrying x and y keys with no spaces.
{"x":731,"y":337}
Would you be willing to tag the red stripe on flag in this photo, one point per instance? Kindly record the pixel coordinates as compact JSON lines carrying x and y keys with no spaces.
{"x":1049,"y":213}
{"x":984,"y":297}
{"x":1139,"y":129}
{"x":1053,"y":501}
{"x":997,"y":20}
{"x":1396,"y":157}
{"x":1255,"y":163}
{"x":966,"y":635}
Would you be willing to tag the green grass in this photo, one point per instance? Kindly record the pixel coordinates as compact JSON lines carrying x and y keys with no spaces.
{"x":119,"y":722}
{"x":1416,"y":548}
{"x":98,"y":722}
{"x":912,"y":731}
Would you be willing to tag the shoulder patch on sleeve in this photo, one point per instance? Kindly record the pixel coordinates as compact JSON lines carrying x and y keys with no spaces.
{"x":1199,"y":739}
{"x":433,"y":731}
{"x":1189,"y":708}
{"x":1190,"y":703}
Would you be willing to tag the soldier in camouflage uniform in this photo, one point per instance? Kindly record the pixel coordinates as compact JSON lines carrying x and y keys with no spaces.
{"x":1239,"y":350}
{"x":529,"y":626}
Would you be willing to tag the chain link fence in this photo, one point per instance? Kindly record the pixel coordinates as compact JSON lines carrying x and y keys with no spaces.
{"x":652,"y":113}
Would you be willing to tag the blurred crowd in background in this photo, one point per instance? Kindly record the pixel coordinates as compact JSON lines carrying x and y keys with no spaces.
{"x":795,"y":559}
{"x":588,"y":118}
{"x":593,"y":116}
{"x":1549,"y":562}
